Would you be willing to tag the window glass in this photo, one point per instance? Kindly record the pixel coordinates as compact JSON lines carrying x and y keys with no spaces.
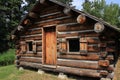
{"x":30,"y":47}
{"x":74,"y":45}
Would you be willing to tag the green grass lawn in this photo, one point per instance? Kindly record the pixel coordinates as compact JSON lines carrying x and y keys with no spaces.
{"x":12,"y":73}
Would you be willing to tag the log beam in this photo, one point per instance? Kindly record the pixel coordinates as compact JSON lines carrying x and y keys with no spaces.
{"x":78,"y":71}
{"x":31,"y":59}
{"x":78,"y":63}
{"x":92,"y":57}
{"x":31,"y":55}
{"x":29,"y":64}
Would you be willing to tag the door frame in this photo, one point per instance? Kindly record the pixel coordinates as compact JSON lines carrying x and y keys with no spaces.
{"x":44,"y":44}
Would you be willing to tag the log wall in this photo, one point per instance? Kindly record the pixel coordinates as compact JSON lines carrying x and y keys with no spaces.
{"x":94,"y":60}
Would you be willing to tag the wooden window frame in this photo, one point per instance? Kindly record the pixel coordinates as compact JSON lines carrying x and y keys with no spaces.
{"x":68,"y":51}
{"x":32,"y":46}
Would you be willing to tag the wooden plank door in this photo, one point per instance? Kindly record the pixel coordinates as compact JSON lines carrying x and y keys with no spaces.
{"x":50,"y":45}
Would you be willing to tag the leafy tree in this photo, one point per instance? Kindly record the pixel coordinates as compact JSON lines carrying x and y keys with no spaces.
{"x":99,"y":8}
{"x":9,"y":18}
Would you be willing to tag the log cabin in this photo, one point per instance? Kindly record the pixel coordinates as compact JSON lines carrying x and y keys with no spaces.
{"x":56,"y":37}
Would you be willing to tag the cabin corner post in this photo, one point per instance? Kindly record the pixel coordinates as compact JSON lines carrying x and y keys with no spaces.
{"x":107,"y":53}
{"x":17,"y":53}
{"x":43,"y":46}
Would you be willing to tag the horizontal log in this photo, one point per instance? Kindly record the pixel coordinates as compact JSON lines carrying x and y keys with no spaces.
{"x":38,"y":54}
{"x":29,"y":64}
{"x":39,"y":43}
{"x":93,"y":57}
{"x":49,"y":66}
{"x":67,"y":24}
{"x":31,"y":38}
{"x":72,"y":27}
{"x":50,"y":14}
{"x":31,"y":59}
{"x":49,"y":20}
{"x":63,"y":21}
{"x":76,"y":34}
{"x":103,"y":63}
{"x":78,"y":63}
{"x":93,"y":49}
{"x":31,"y":35}
{"x":39,"y":48}
{"x":52,"y":17}
{"x":71,"y":32}
{"x":94,"y":40}
{"x":78,"y":71}
{"x":33,"y":32}
{"x":34,"y":28}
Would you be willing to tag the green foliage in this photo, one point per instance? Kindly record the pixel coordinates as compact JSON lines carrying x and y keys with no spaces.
{"x":7,"y":58}
{"x":9,"y":18}
{"x":108,"y":12}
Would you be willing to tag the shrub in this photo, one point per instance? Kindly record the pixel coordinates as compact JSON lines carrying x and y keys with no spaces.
{"x":7,"y":57}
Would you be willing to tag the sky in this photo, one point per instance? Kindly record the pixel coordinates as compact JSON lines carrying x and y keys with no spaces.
{"x":78,"y":3}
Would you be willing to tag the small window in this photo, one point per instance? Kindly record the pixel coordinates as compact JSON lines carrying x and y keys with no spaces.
{"x":30,"y":46}
{"x":74,"y":45}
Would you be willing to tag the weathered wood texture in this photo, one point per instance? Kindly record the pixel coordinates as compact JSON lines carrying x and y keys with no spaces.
{"x":31,"y":55}
{"x":78,"y":63}
{"x":78,"y":71}
{"x":93,"y":57}
{"x":29,"y":64}
{"x":31,"y":59}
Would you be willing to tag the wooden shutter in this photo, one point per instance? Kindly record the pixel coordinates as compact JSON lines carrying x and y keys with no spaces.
{"x":23,"y":46}
{"x":63,"y":46}
{"x":34,"y":47}
{"x":83,"y":45}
